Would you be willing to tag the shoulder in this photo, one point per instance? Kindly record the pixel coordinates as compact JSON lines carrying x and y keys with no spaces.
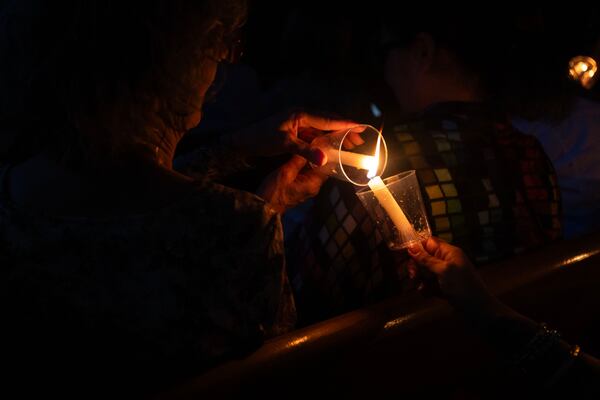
{"x":523,"y":146}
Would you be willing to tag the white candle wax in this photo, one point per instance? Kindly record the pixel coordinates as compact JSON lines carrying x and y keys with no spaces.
{"x":359,"y":161}
{"x":389,"y":204}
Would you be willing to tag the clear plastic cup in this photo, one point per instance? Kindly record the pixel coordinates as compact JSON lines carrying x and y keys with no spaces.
{"x":405,"y":190}
{"x":351,"y":153}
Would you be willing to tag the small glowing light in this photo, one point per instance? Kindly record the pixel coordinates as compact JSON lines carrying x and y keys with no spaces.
{"x":375,"y":110}
{"x":580,"y":257}
{"x":395,"y":322}
{"x":583,"y":69}
{"x":297,"y":342}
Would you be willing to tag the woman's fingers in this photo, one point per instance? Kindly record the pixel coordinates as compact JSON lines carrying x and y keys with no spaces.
{"x":301,"y":148}
{"x":309,"y":183}
{"x":353,"y":138}
{"x":305,"y":120}
{"x":422,"y":257}
{"x":301,"y":128}
{"x":431,"y":245}
{"x":290,"y":170}
{"x":308,"y":134}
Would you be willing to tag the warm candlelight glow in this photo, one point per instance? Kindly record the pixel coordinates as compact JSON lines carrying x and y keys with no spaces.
{"x":583,"y":69}
{"x":375,"y":164}
{"x":349,"y":153}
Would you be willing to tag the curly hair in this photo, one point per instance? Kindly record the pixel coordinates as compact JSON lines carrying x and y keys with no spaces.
{"x":128,"y":69}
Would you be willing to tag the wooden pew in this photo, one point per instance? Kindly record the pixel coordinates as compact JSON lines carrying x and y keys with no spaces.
{"x":410,"y":346}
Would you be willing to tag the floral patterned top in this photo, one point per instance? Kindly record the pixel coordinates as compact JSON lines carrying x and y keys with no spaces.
{"x":198,"y":281}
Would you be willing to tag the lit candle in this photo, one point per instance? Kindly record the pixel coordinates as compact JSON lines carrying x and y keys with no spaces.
{"x":388,"y":202}
{"x":355,"y":160}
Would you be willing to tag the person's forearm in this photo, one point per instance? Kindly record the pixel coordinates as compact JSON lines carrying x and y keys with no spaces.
{"x":532,"y":351}
{"x":502,"y":327}
{"x":535,"y":352}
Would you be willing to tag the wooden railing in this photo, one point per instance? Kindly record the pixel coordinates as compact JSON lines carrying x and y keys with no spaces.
{"x":410,"y":345}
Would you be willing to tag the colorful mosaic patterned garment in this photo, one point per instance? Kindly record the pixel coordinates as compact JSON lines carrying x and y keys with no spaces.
{"x":488,"y":189}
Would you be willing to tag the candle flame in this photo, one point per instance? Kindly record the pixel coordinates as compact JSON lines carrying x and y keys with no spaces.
{"x":375,"y":160}
{"x":368,"y":162}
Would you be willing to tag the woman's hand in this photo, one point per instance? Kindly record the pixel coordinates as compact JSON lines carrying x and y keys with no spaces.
{"x":288,"y":133}
{"x":291,"y":184}
{"x":458,"y":280}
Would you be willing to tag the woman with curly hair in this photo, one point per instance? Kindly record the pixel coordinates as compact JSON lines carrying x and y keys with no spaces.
{"x":109,"y":256}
